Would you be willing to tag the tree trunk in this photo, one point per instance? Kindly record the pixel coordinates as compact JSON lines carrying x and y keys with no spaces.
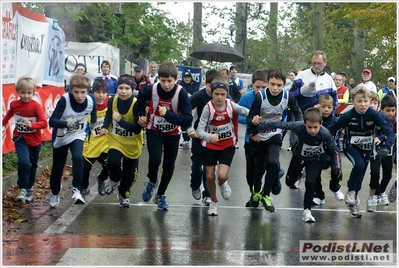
{"x":272,"y":32}
{"x":241,"y":34}
{"x":198,"y":39}
{"x":318,"y":26}
{"x":357,"y":55}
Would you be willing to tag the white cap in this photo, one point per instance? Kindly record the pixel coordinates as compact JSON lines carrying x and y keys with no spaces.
{"x":391,"y":78}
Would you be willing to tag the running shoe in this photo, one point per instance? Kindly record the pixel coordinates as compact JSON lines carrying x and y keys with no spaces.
{"x":54,"y":200}
{"x":21,"y":195}
{"x":339,"y":195}
{"x":110,"y":186}
{"x":371,"y":203}
{"x":318,"y":201}
{"x":162,"y":205}
{"x":148,"y":192}
{"x":77,"y":196}
{"x":206,"y":200}
{"x":350,"y":198}
{"x":267,"y":203}
{"x":307,"y":216}
{"x":101,"y":186}
{"x":156,"y":199}
{"x":86,"y":191}
{"x":213,"y":208}
{"x":123,"y":202}
{"x":384,"y":199}
{"x":392,"y":193}
{"x":29,"y":195}
{"x":354,"y":209}
{"x":225,"y":190}
{"x":276,"y":189}
{"x":255,"y":197}
{"x":197,"y":194}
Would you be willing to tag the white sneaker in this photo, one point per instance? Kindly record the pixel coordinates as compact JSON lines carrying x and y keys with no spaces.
{"x":289,"y":149}
{"x":21,"y":195}
{"x":77,"y":196}
{"x":206,"y":200}
{"x":350,"y":198}
{"x":307,"y":216}
{"x":213,"y":208}
{"x":317,"y":201}
{"x":54,"y":200}
{"x":339,"y":195}
{"x":225,"y":190}
{"x":384,"y":199}
{"x":371,"y":203}
{"x":296,"y":184}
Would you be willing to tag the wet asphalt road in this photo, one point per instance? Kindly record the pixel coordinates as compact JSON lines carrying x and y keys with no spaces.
{"x":101,"y":233}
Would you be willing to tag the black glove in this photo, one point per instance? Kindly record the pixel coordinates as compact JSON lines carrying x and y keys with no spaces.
{"x":384,"y":151}
{"x":336,"y":173}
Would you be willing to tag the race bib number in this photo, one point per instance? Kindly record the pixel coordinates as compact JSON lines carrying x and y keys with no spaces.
{"x":362,"y":142}
{"x":21,"y":127}
{"x":95,"y":132}
{"x":163,"y":125}
{"x":311,"y":151}
{"x":269,"y":130}
{"x":224,"y":131}
{"x":120,"y":131}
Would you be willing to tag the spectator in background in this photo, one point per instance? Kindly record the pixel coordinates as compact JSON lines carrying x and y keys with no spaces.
{"x":389,"y":89}
{"x":313,"y":82}
{"x":343,"y":91}
{"x":352,"y":82}
{"x":79,"y":69}
{"x":153,"y":72}
{"x":234,"y":78}
{"x":234,"y":91}
{"x":140,"y":79}
{"x":110,"y":78}
{"x":366,"y":80}
{"x":344,"y":78}
{"x":191,"y":86}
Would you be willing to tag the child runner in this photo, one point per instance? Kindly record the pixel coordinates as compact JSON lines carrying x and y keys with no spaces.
{"x":69,"y":122}
{"x":270,"y":105}
{"x":125,"y":140}
{"x":309,"y":152}
{"x":169,"y":110}
{"x":27,"y":135}
{"x":377,"y":188}
{"x":326,"y":106}
{"x":198,"y":101}
{"x":360,"y":125}
{"x":259,"y":81}
{"x":95,"y":147}
{"x":218,"y":131}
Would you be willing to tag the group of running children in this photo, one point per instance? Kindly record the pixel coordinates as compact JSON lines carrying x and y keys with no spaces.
{"x":109,"y":129}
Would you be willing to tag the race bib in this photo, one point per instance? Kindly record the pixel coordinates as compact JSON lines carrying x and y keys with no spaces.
{"x":77,"y":127}
{"x":269,"y":130}
{"x":311,"y":151}
{"x":163,"y":125}
{"x":120,"y":131}
{"x":95,"y":132}
{"x":362,"y":142}
{"x":21,"y":127}
{"x":224,"y":131}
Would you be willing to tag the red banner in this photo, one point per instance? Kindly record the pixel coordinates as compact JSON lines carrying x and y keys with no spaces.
{"x":47,"y":96}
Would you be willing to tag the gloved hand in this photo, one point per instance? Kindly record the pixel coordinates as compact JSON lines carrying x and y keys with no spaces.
{"x":72,"y":121}
{"x":336,"y":173}
{"x":263,"y":126}
{"x":384,"y":151}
